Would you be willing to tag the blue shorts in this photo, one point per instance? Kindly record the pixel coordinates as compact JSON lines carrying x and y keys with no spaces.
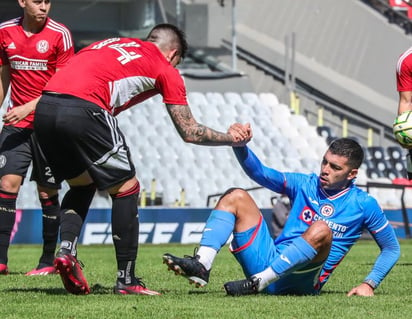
{"x":255,"y":251}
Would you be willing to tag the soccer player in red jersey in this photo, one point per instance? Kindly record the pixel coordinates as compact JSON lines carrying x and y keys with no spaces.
{"x":404,"y":87}
{"x":77,"y":129}
{"x":32,"y":48}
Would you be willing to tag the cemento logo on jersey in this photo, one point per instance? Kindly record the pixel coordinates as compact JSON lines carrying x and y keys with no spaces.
{"x":42,"y":46}
{"x":307,"y":215}
{"x":327,"y":210}
{"x":3,"y":161}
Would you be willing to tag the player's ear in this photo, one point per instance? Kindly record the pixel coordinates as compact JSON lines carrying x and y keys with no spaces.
{"x":174,"y":57}
{"x":22,"y":3}
{"x":353,"y":173}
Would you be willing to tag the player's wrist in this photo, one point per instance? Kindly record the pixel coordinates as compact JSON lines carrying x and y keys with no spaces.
{"x":370,"y":283}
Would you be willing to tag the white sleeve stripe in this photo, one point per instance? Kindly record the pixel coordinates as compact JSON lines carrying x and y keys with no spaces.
{"x":379,"y":229}
{"x":10,"y":23}
{"x":401,"y":58}
{"x":67,"y":39}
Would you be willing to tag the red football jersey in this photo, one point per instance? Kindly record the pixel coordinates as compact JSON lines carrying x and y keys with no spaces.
{"x":404,"y":71}
{"x":32,"y":59}
{"x":118,"y":73}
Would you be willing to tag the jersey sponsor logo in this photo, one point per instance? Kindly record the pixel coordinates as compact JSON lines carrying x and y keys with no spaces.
{"x":337,"y":229}
{"x":307,"y":215}
{"x":42,"y":46}
{"x":18,"y":62}
{"x":327,"y":210}
{"x":3,"y":161}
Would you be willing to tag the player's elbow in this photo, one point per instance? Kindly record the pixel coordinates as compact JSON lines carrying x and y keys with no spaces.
{"x":188,"y":139}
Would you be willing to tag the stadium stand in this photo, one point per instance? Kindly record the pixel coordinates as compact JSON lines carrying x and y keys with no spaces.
{"x":186,"y":175}
{"x":283,"y":139}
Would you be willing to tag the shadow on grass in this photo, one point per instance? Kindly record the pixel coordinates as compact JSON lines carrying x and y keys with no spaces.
{"x":48,"y":291}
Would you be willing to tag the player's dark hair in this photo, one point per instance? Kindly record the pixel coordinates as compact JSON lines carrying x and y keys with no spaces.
{"x":348,"y":148}
{"x":178,"y":36}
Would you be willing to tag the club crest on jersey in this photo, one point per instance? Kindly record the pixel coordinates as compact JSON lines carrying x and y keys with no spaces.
{"x":327,"y":210}
{"x":42,"y":46}
{"x":307,"y":215}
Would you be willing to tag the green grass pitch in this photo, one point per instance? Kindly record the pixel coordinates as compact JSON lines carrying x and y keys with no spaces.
{"x":45,"y":297}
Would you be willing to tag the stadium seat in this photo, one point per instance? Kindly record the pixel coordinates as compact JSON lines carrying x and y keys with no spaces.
{"x":391,"y":173}
{"x":374,"y":173}
{"x":400,"y":166}
{"x":250,"y":98}
{"x":292,"y":164}
{"x":197,"y":98}
{"x":298,"y":120}
{"x":325,"y":131}
{"x":232,"y":98}
{"x":395,"y":152}
{"x":376,"y":152}
{"x":380,"y":165}
{"x":215,"y":98}
{"x":311,"y":165}
{"x":281,"y":110}
{"x":269,"y":99}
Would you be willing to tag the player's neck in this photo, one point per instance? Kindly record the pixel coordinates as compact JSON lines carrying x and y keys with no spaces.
{"x":32,"y":27}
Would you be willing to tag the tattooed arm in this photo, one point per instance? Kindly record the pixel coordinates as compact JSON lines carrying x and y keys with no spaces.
{"x":193,"y":132}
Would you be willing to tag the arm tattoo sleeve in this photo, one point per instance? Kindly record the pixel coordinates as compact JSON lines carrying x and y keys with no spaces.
{"x":193,"y":132}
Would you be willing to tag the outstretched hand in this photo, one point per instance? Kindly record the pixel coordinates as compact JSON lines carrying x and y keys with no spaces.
{"x":241,"y":133}
{"x":362,"y":290}
{"x":17,"y":113}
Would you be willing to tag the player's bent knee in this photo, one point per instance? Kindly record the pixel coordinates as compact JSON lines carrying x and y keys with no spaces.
{"x":234,"y":199}
{"x":234,"y":193}
{"x":319,"y":234}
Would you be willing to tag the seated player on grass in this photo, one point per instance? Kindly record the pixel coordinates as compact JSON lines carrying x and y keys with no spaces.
{"x":328,"y":215}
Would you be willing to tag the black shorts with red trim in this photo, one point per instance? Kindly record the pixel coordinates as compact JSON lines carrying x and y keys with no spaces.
{"x":76,"y":135}
{"x":19,"y":148}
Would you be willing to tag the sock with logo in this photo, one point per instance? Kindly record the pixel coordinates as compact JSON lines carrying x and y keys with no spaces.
{"x":219,"y":226}
{"x":7,"y":219}
{"x":298,"y":253}
{"x":51,"y":223}
{"x":125,"y":233}
{"x":70,"y":228}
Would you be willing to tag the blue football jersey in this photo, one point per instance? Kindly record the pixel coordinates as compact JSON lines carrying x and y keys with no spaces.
{"x":347,"y":212}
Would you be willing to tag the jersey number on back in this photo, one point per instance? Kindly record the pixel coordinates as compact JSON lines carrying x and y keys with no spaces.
{"x":125,"y":55}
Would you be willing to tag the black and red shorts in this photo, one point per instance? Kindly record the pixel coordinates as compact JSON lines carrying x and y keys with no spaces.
{"x":77,"y":136}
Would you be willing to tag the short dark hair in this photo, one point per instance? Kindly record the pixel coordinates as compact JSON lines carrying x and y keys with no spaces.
{"x":348,"y":148}
{"x":178,"y":36}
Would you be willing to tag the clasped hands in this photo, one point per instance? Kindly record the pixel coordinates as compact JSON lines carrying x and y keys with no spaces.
{"x":241,"y":133}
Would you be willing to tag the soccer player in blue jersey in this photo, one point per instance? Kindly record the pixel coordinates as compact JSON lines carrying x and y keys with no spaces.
{"x":328,"y":215}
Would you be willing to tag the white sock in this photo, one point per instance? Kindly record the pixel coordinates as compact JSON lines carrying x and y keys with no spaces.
{"x":266,"y":278}
{"x":207,"y":256}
